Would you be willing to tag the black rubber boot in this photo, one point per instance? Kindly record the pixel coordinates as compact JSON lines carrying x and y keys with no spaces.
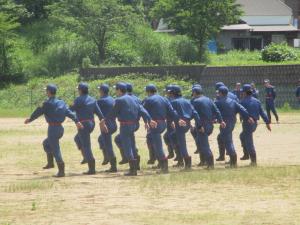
{"x":152,"y":159}
{"x":188,"y":163}
{"x":124,"y":160}
{"x":180,"y":162}
{"x":113,"y":166}
{"x":246,"y":155}
{"x":105,"y":158}
{"x":92,"y":169}
{"x":132,"y":169}
{"x":202,"y":160}
{"x":221,"y":150}
{"x":83,"y":162}
{"x":138,"y":162}
{"x":61,"y":169}
{"x":233,"y":161}
{"x":50,"y":162}
{"x":164,"y":166}
{"x":177,"y":152}
{"x":253,"y":160}
{"x":171,"y":152}
{"x":210,"y":163}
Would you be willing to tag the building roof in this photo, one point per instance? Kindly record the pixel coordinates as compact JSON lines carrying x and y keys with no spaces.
{"x":237,"y":27}
{"x":265,"y":8}
{"x":283,"y":28}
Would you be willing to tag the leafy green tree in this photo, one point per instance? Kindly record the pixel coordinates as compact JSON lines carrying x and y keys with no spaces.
{"x":201,"y":20}
{"x":9,"y":13}
{"x":96,"y":20}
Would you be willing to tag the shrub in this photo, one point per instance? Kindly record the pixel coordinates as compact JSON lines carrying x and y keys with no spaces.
{"x":120,"y":53}
{"x":278,"y":53}
{"x":185,"y":49}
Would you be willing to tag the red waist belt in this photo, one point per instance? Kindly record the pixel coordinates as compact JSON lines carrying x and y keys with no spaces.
{"x":127,"y":122}
{"x":54,"y":124}
{"x":86,"y":120}
{"x":160,"y":120}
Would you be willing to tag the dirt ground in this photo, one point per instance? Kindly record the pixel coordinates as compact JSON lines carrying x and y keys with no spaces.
{"x":268,"y":194}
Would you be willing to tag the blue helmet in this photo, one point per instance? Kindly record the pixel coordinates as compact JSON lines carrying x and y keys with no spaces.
{"x":151,"y":88}
{"x":104,"y":88}
{"x":129,"y":87}
{"x":197,"y":89}
{"x":51,"y":88}
{"x":223,"y":90}
{"x":121,"y":86}
{"x":219,"y":84}
{"x":247,"y":88}
{"x":84,"y":87}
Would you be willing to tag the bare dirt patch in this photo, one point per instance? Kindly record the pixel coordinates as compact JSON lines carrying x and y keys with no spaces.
{"x":269,"y":194}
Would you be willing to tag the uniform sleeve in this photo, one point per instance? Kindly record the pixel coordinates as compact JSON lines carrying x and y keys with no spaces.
{"x":71,"y":115}
{"x":98,"y":111}
{"x":74,"y":106}
{"x":38,"y":112}
{"x":114,"y":111}
{"x":171,"y":112}
{"x":195,"y":116}
{"x":217,"y":113}
{"x":243,"y":112}
{"x":263,"y":114}
{"x":143,"y":112}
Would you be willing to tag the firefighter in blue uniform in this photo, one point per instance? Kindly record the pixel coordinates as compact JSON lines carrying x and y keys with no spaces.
{"x":221,"y":145}
{"x":229,"y":108}
{"x":55,"y":112}
{"x":270,"y":100}
{"x":237,"y":91}
{"x":207,"y":111}
{"x":160,"y":109}
{"x":170,"y":131}
{"x":85,"y":107}
{"x":298,"y":92}
{"x":127,"y":110}
{"x":253,"y":106}
{"x":186,"y":112}
{"x":194,"y":132}
{"x":106,"y":103}
{"x":129,"y":90}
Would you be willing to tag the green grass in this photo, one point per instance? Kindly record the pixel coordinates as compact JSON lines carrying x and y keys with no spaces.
{"x":29,"y":186}
{"x":19,"y":100}
{"x":240,"y":176}
{"x":244,"y":58}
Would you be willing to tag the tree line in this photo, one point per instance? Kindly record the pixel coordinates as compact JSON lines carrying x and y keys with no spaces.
{"x":53,"y":37}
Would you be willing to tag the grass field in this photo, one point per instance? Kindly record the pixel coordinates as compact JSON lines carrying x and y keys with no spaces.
{"x":268,"y":194}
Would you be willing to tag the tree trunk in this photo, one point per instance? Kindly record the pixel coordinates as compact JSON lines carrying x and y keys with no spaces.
{"x":101,"y":52}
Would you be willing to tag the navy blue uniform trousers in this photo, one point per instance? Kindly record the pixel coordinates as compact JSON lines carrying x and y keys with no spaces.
{"x":51,"y":143}
{"x":83,"y":140}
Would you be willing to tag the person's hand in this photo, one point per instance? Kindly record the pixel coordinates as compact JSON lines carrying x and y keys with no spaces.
{"x":79,"y":126}
{"x":269,"y":127}
{"x":153,"y":124}
{"x":251,"y":120}
{"x":202,"y":130}
{"x":181,"y":123}
{"x":103,"y":126}
{"x":173,"y":125}
{"x":147,"y":127}
{"x":27,"y":121}
{"x":223,"y":125}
